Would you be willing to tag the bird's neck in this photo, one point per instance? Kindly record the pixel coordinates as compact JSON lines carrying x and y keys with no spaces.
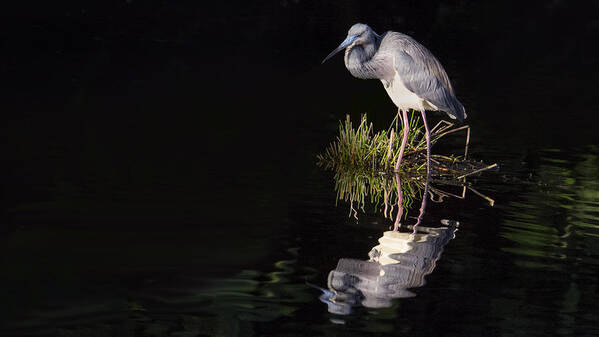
{"x":358,"y":60}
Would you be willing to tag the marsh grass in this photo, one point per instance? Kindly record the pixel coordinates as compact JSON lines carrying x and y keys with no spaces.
{"x":363,"y":163}
{"x":362,"y":148}
{"x":366,"y":149}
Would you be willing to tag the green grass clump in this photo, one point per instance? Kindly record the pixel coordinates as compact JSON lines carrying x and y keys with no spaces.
{"x":363,"y":162}
{"x":363,"y":148}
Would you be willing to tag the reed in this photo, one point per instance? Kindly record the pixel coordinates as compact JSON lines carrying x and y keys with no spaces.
{"x":363,"y":164}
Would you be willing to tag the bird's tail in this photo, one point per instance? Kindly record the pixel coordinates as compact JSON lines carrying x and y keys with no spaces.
{"x":457,"y":111}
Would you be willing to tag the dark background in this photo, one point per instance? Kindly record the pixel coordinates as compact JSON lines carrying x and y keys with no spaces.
{"x":172,"y":103}
{"x":150,"y":132}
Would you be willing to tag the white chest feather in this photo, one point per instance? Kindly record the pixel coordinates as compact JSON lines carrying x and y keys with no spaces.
{"x":403,"y":98}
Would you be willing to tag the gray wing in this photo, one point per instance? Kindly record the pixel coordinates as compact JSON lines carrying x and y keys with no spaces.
{"x":422,"y":73}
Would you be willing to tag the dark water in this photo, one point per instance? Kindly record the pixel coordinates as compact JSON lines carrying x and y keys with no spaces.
{"x":159,"y":177}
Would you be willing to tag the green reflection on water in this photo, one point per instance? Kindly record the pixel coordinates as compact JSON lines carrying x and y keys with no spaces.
{"x":556,"y":217}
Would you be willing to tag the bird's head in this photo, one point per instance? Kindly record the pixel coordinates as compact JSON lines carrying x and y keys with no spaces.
{"x":359,"y":35}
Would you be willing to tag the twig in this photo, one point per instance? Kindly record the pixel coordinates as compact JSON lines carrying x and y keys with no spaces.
{"x":491,"y":201}
{"x":452,"y":131}
{"x":447,"y":125}
{"x":467,"y":143}
{"x":477,"y":171}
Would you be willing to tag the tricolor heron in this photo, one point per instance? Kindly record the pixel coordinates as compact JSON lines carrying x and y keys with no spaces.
{"x":412,"y":76}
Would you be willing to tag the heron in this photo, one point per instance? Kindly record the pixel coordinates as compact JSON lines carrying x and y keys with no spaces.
{"x":410,"y":73}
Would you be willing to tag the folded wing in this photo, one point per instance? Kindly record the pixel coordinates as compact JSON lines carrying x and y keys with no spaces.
{"x":422,"y":73}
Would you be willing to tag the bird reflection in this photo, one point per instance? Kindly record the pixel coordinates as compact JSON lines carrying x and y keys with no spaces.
{"x":405,"y":255}
{"x":398,"y":263}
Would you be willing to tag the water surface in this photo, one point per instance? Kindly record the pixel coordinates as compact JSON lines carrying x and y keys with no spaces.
{"x":147,"y":193}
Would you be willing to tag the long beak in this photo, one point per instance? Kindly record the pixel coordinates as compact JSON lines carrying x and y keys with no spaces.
{"x":348,"y":41}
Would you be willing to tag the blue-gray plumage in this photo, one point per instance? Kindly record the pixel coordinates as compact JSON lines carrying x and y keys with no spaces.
{"x":412,"y":76}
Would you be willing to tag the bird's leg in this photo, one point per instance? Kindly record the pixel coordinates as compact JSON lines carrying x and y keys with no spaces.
{"x":405,"y":130}
{"x":428,"y":169}
{"x":427,"y":135}
{"x":423,"y":203}
{"x":399,"y":203}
